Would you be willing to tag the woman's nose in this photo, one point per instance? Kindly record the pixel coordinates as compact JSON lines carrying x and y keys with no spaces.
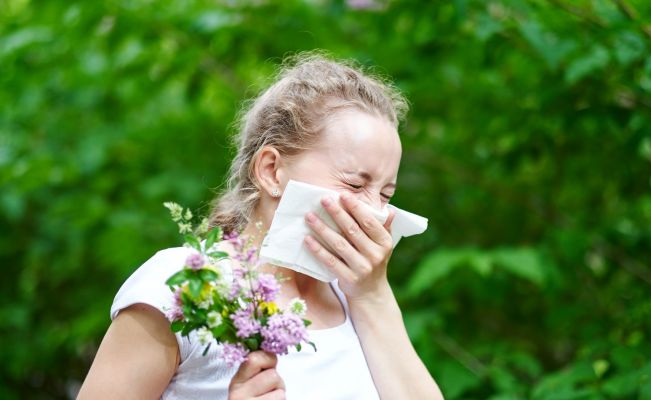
{"x":374,"y":201}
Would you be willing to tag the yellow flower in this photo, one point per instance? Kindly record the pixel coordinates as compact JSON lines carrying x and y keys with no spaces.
{"x":270,"y":307}
{"x":205,"y":294}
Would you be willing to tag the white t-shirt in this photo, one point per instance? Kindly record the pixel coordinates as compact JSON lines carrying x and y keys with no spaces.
{"x":337,"y":370}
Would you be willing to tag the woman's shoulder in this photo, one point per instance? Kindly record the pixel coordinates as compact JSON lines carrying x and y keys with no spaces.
{"x":146,"y":284}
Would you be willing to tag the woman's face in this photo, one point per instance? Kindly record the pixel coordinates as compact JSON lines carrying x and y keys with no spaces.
{"x":358,"y":152}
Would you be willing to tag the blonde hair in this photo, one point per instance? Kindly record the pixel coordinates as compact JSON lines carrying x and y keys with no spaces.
{"x":290,"y":116}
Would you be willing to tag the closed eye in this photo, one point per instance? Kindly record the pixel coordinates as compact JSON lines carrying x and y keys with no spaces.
{"x":360,"y":186}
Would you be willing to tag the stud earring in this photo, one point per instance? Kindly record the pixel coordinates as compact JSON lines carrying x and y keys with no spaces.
{"x":275,"y":192}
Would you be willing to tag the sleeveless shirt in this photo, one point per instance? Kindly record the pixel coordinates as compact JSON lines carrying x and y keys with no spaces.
{"x":337,"y":370}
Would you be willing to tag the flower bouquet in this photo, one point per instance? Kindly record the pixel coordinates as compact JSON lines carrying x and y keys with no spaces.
{"x":233,"y":306}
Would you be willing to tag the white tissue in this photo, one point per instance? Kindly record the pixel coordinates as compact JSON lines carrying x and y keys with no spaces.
{"x":283,"y":244}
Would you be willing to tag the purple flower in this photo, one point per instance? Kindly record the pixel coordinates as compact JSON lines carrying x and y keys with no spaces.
{"x":235,"y":239}
{"x":176,"y":312}
{"x":268,"y":287}
{"x":234,"y":353}
{"x":281,"y":332}
{"x":194,"y":261}
{"x":249,"y":257}
{"x":245,"y":324}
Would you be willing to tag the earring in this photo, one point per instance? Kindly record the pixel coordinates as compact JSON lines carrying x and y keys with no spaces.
{"x":275,"y":192}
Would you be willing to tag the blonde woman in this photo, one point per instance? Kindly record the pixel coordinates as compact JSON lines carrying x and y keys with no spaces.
{"x":322,"y":122}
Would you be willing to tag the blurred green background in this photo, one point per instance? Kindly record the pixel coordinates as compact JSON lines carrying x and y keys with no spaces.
{"x":528,"y":147}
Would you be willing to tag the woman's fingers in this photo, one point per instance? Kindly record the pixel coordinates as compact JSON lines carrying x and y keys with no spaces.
{"x":265,"y":382}
{"x":340,"y":246}
{"x":373,"y":228}
{"x":334,"y":264}
{"x":388,"y":222}
{"x":257,"y":378}
{"x":278,"y":394}
{"x":255,"y":362}
{"x":348,"y":226}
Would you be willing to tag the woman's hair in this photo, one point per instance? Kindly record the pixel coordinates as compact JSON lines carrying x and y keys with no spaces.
{"x":290,"y":115}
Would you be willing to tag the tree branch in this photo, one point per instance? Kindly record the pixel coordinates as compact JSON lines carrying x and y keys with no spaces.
{"x":631,"y":13}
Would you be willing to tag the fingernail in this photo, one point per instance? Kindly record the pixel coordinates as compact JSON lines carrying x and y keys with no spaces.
{"x":310,"y":217}
{"x":345,"y":196}
{"x":326,"y":201}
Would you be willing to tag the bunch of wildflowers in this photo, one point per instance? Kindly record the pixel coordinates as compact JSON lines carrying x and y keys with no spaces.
{"x":238,"y":309}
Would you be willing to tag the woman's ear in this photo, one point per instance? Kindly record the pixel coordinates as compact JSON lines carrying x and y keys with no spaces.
{"x":268,"y":170}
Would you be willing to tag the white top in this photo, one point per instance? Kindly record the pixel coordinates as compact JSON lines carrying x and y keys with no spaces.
{"x":337,"y":370}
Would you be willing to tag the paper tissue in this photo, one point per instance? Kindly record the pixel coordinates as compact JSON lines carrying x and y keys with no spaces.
{"x":283,"y":244}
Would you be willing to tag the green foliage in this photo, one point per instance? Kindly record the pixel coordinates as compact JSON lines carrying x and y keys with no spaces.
{"x":528,"y":148}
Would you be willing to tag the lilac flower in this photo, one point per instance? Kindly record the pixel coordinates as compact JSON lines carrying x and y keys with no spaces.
{"x":176,"y":312}
{"x":195,"y":261}
{"x":267,"y":286}
{"x":249,"y":257}
{"x":234,"y":354}
{"x":235,"y":239}
{"x":239,"y":272}
{"x":245,"y":324}
{"x":281,"y":332}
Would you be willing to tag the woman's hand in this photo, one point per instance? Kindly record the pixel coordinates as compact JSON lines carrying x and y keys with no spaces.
{"x":257,"y":378}
{"x":362,"y":253}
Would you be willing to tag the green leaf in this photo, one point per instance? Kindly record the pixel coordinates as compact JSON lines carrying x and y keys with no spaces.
{"x":192,"y":241}
{"x":437,"y":265}
{"x":218,"y":254}
{"x":177,"y":325}
{"x":298,"y":347}
{"x":178,"y":278}
{"x":205,"y":351}
{"x":524,"y":262}
{"x":252,"y":343}
{"x":219,"y":330}
{"x":629,"y":47}
{"x":600,"y":367}
{"x":208,"y":275}
{"x":596,"y":59}
{"x":212,"y":237}
{"x":195,"y":286}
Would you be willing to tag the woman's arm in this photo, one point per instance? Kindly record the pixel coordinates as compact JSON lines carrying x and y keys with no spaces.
{"x":136,"y":359}
{"x":397,"y":370}
{"x":360,"y":264}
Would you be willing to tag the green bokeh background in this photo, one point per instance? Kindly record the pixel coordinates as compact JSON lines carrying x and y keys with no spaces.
{"x":528,"y":147}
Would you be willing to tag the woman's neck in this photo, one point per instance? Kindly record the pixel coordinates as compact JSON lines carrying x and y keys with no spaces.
{"x":294,"y":283}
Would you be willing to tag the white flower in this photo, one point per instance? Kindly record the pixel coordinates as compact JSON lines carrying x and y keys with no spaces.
{"x":223,"y":288}
{"x":214,"y":319}
{"x":184,"y":228}
{"x":175,"y":210}
{"x":204,"y":335}
{"x":188,"y":215}
{"x":205,"y":304}
{"x":297,"y":306}
{"x":203,"y":227}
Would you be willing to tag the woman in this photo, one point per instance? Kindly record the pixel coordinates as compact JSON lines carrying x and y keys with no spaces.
{"x":321,"y":122}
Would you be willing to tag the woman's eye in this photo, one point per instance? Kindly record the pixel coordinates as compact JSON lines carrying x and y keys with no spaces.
{"x":386,"y":197}
{"x":354,"y":186}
